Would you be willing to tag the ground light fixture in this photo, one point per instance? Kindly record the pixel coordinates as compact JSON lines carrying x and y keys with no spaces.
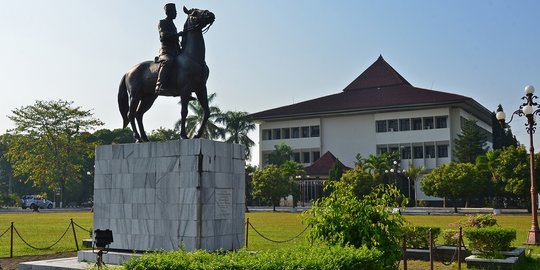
{"x":529,"y":109}
{"x":102,"y":240}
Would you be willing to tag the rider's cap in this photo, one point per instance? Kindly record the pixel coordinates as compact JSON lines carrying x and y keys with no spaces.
{"x":169,"y":6}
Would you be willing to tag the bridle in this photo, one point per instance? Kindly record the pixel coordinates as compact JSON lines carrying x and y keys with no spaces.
{"x":195,"y":26}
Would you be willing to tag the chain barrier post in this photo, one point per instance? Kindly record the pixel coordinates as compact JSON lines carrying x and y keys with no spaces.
{"x":74,"y":235}
{"x":430,"y":250}
{"x":247,"y":233}
{"x":11,"y":242}
{"x":460,"y":239}
{"x":404,"y":252}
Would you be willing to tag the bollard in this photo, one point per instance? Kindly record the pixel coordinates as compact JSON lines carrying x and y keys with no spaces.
{"x":74,"y":235}
{"x":247,"y":233}
{"x":404,"y":252}
{"x":430,"y":250}
{"x":460,"y":239}
{"x":11,"y":242}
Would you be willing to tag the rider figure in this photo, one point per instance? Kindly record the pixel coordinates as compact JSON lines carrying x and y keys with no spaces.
{"x":170,"y":47}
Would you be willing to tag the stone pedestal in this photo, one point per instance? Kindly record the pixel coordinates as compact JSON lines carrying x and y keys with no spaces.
{"x":168,"y":195}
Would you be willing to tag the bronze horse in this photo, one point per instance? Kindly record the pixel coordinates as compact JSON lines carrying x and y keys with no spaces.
{"x":136,"y":92}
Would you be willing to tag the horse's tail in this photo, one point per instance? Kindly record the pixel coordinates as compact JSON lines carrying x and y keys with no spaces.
{"x":123,"y":103}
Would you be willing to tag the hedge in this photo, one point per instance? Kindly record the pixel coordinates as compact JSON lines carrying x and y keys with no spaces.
{"x":300,"y":257}
{"x":490,"y":240}
{"x":418,"y":236}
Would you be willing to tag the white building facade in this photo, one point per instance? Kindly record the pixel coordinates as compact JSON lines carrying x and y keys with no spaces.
{"x":378,"y":112}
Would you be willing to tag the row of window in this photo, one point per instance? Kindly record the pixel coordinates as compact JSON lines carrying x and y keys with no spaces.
{"x":406,"y":124}
{"x":301,"y":156}
{"x":290,"y":133}
{"x":416,"y":151}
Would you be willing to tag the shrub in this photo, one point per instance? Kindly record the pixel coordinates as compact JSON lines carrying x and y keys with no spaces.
{"x":479,"y":221}
{"x":418,"y":236}
{"x":450,"y":237}
{"x":303,"y":257}
{"x":490,"y":240}
{"x":343,"y":219}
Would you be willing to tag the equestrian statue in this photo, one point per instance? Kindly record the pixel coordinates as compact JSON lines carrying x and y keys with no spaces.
{"x":179,"y":70}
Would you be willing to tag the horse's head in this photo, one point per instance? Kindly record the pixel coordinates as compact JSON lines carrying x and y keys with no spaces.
{"x":198,"y":19}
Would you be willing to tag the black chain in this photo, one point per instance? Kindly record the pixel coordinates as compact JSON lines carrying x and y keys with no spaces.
{"x":88,"y":231}
{"x":278,"y":241}
{"x":37,"y":248}
{"x":3,"y":234}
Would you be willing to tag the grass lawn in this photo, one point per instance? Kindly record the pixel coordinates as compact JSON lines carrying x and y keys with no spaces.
{"x":42,"y":230}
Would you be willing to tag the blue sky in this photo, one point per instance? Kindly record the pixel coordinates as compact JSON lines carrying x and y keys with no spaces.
{"x":265,"y":54}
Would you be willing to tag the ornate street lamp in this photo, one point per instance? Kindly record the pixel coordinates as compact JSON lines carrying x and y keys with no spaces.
{"x":528,"y":109}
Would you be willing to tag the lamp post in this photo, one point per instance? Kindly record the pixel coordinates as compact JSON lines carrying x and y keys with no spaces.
{"x":529,"y":109}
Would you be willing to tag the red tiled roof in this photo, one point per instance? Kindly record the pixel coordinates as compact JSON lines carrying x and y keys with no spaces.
{"x":378,"y":87}
{"x":323,"y":165}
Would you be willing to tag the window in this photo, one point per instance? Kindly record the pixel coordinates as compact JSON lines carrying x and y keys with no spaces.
{"x":404,"y":124}
{"x":286,"y":133}
{"x":316,"y":155}
{"x":381,"y":149}
{"x":296,"y":157}
{"x":305,"y":132}
{"x":267,"y":134}
{"x":417,"y":123}
{"x":393,"y":125}
{"x":440,"y":122}
{"x":430,"y":151}
{"x":442,"y":151}
{"x":406,"y":152}
{"x":428,"y":123}
{"x":315,"y":131}
{"x":305,"y":157}
{"x":381,"y":126}
{"x":295,"y":132}
{"x":418,"y":152}
{"x":276,"y":133}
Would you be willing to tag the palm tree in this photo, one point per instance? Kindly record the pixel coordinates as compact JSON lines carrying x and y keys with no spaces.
{"x":193,"y":121}
{"x":237,"y":127}
{"x":414,"y":172}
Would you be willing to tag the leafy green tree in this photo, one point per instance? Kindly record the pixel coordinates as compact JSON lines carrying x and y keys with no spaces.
{"x":47,"y":144}
{"x":106,"y":136}
{"x":361,"y":181}
{"x":212,"y":131}
{"x":237,"y":127}
{"x":453,"y":181}
{"x":164,"y":134}
{"x":342,"y":218}
{"x":270,"y":183}
{"x":291,"y":170}
{"x":336,"y":171}
{"x":502,"y":137}
{"x":414,"y":172}
{"x":281,"y":153}
{"x":470,"y":143}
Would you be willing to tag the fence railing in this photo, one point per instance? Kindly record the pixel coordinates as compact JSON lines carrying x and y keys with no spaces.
{"x":14,"y":232}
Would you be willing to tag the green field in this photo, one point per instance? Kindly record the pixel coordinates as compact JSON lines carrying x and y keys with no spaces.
{"x":43,"y":229}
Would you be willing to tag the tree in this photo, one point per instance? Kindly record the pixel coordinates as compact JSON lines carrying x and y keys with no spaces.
{"x":344,"y":219}
{"x":106,"y":136}
{"x":281,"y":153}
{"x":361,"y":181}
{"x":502,"y":137}
{"x":414,"y":172}
{"x":291,"y":170}
{"x":194,"y":120}
{"x":164,"y":134}
{"x":453,"y":181}
{"x":470,"y":143}
{"x":270,"y":183}
{"x":47,"y":144}
{"x":237,"y":127}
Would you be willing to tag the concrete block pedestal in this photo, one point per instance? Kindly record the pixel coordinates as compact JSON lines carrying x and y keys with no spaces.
{"x":168,"y":195}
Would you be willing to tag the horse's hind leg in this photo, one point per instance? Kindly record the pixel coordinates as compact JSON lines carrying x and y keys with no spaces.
{"x":146,"y":103}
{"x":133,"y":105}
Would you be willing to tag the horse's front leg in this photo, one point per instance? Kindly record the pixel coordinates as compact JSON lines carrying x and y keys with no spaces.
{"x":203,"y":101}
{"x":183,"y":114}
